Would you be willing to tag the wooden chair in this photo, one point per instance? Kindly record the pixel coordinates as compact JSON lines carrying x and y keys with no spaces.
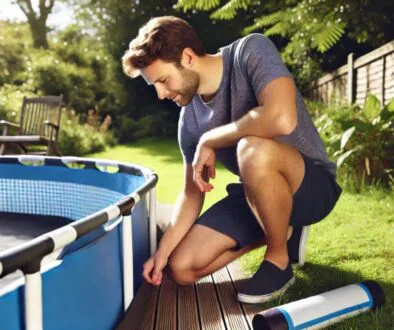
{"x":39,"y":125}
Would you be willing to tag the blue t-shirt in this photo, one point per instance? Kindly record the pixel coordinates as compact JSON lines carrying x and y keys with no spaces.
{"x":250,"y":64}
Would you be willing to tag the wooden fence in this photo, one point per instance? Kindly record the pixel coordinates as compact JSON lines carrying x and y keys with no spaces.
{"x":372,"y":73}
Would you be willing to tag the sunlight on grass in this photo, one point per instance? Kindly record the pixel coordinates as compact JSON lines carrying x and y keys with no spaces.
{"x":163,"y":156}
{"x":354,"y":243}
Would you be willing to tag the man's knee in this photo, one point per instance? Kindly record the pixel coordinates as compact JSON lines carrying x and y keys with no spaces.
{"x":256,"y":155}
{"x":180,"y":269}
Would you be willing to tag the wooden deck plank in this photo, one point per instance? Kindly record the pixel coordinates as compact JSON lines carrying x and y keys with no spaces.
{"x":187,"y":308}
{"x":239,"y":277}
{"x":150,"y":313}
{"x":209,"y":306}
{"x":141,"y":313}
{"x":232,"y":311}
{"x":166,"y":317}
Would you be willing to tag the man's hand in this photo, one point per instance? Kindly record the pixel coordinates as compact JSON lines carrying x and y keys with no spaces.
{"x":204,"y":157}
{"x":153,"y":268}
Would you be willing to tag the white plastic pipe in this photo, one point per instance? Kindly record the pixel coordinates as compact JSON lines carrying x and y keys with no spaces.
{"x":152,"y":221}
{"x":33,"y":301}
{"x":128,"y":277}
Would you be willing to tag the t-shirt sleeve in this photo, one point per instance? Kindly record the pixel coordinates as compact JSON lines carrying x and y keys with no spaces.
{"x":187,"y":145}
{"x":261,"y":62}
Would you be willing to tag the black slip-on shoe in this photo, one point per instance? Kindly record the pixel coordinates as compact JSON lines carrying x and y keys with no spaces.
{"x":268,"y":282}
{"x":296,"y":245}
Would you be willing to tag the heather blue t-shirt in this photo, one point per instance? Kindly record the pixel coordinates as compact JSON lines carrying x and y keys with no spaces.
{"x":250,"y":64}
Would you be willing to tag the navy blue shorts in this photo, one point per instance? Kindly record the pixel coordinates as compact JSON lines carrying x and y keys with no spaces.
{"x":312,"y":202}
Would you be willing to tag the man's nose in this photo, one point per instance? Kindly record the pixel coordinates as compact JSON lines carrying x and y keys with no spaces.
{"x":161,"y":92}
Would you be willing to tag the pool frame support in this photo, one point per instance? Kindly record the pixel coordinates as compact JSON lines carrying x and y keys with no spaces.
{"x":128,"y":269}
{"x":152,"y":221}
{"x":33,"y":301}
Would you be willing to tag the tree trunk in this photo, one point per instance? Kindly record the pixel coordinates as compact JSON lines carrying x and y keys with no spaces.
{"x":37,"y":21}
{"x":39,"y":33}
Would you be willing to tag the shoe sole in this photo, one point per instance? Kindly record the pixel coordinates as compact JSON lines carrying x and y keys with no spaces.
{"x":244,"y":298}
{"x":302,"y":247}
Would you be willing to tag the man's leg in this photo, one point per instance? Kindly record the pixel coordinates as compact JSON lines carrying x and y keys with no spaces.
{"x":202,"y":252}
{"x":271,"y":172}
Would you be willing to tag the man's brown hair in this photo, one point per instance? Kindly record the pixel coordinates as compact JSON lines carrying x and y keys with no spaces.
{"x":161,"y":38}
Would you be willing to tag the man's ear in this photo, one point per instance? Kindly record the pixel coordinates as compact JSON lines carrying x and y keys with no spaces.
{"x":188,"y":58}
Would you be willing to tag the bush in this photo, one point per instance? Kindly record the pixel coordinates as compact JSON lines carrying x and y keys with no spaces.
{"x":360,"y":139}
{"x":156,"y":125}
{"x":53,"y":76}
{"x":11,"y":99}
{"x":80,"y":139}
{"x":75,"y":65}
{"x":126,"y":131}
{"x":14,"y":43}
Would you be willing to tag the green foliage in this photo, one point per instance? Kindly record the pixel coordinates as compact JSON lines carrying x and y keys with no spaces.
{"x":11,"y":98}
{"x":328,"y":36}
{"x":360,"y":139}
{"x":306,"y":21}
{"x":126,"y":129}
{"x":14,"y":41}
{"x":54,"y":76}
{"x":160,"y":124}
{"x":78,"y":140}
{"x":198,"y":4}
{"x":308,"y":28}
{"x":75,"y":66}
{"x":229,"y":10}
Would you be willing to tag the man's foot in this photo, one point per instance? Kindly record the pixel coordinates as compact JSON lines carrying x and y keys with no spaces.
{"x":296,"y":245}
{"x":266,"y":283}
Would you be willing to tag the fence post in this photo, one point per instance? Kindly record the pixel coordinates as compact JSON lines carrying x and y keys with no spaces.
{"x":350,"y":79}
{"x":383,"y":80}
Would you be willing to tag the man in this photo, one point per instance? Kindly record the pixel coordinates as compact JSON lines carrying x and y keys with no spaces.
{"x":239,"y":106}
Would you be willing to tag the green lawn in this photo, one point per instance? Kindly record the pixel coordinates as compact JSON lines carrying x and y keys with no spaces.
{"x":355,"y":243}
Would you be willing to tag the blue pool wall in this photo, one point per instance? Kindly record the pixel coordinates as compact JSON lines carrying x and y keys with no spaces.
{"x":85,"y":290}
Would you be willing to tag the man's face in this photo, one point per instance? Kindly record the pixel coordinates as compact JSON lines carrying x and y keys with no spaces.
{"x":172,"y":81}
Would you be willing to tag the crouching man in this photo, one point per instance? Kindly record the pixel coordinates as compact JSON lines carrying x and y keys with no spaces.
{"x":241,"y":107}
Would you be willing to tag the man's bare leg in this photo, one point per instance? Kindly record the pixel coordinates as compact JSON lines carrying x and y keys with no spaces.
{"x":271,"y":172}
{"x":202,"y":252}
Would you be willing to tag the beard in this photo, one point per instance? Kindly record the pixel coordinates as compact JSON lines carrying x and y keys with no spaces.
{"x":190,"y":84}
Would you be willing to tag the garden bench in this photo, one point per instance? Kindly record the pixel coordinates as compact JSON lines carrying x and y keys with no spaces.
{"x":39,"y":125}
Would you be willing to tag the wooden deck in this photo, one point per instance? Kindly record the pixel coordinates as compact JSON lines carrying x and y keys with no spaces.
{"x":208,"y":304}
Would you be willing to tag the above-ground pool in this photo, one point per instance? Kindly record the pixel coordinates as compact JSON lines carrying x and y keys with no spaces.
{"x":74,"y":234}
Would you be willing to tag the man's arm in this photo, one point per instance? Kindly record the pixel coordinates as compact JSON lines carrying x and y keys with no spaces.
{"x":187,"y":208}
{"x":276,"y":115}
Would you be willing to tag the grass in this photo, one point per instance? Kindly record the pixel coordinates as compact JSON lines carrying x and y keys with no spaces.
{"x":354,"y":243}
{"x":164,"y":158}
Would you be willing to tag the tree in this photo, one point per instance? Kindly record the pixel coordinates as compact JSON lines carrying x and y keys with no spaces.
{"x":37,"y":21}
{"x":309,"y":28}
